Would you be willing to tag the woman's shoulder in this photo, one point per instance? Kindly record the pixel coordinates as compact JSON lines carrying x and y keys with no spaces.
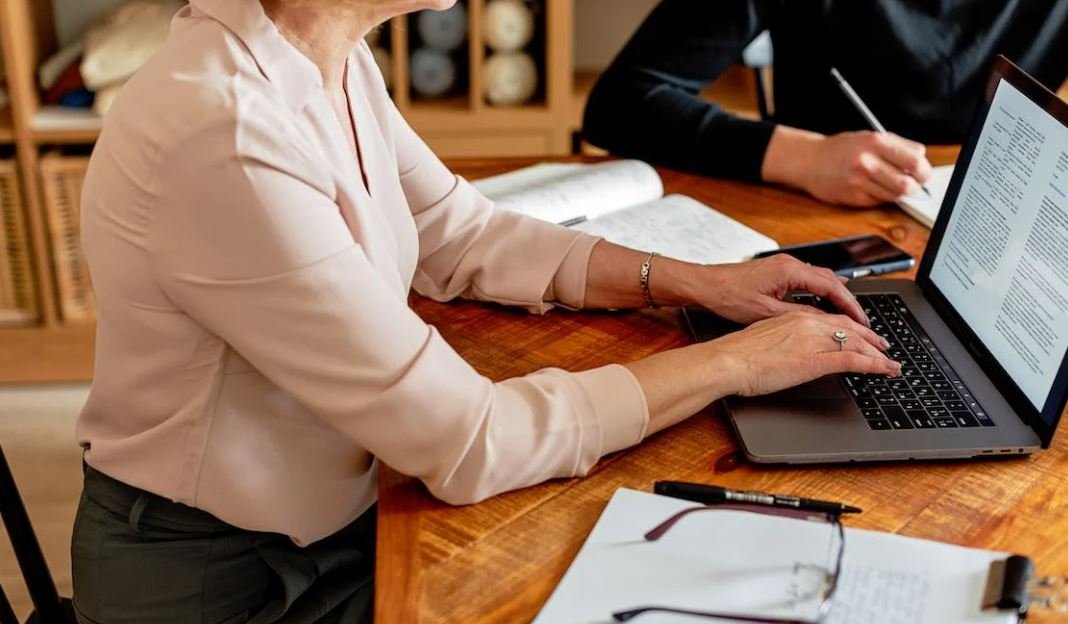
{"x":203,"y":81}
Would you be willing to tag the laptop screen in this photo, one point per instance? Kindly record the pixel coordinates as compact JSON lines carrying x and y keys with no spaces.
{"x":1003,"y":260}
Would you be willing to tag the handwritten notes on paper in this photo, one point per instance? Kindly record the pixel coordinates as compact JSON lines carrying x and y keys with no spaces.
{"x":682,"y":228}
{"x":622,"y":202}
{"x":923,"y":208}
{"x":757,"y":564}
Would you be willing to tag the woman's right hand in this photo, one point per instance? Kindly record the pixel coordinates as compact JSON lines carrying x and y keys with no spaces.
{"x":797,"y":347}
{"x":770,"y":355}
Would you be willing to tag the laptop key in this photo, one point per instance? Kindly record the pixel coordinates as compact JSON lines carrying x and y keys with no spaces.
{"x":859,"y":393}
{"x":872,"y":413}
{"x":948,"y":395}
{"x":897,"y":418}
{"x":902,"y":423}
{"x":879,"y":425}
{"x":956,"y":406}
{"x":965,"y":419}
{"x":945,"y":423}
{"x":930,"y":402}
{"x":937,"y":412}
{"x":885,"y":400}
{"x":921,"y":420}
{"x":911,"y":404}
{"x":867,"y":403}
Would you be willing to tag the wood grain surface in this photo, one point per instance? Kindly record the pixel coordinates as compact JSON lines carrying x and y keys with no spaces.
{"x":499,"y":561}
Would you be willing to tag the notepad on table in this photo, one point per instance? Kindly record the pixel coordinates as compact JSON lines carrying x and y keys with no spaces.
{"x":623,"y":201}
{"x":740,"y":562}
{"x":923,"y":208}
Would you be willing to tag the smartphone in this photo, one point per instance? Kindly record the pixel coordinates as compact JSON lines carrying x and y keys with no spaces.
{"x":852,"y":257}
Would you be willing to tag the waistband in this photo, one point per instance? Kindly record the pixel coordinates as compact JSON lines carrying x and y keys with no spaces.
{"x":143,"y":508}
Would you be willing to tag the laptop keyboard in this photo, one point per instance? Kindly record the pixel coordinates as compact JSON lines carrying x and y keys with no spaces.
{"x":928,"y":395}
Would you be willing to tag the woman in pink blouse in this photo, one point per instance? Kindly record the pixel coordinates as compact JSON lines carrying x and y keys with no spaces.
{"x":255,"y":214}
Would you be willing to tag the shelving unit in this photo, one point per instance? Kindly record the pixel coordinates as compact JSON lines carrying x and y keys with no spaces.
{"x":467,"y":125}
{"x":48,"y":349}
{"x":57,"y":344}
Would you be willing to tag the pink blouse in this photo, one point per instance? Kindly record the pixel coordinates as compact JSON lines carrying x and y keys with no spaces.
{"x":255,"y":349}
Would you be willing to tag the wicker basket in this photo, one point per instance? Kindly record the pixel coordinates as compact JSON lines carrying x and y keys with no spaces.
{"x":61,"y":178}
{"x":18,"y":303}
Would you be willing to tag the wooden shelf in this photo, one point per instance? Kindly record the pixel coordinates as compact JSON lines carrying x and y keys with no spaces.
{"x":455,"y":104}
{"x":56,"y":124}
{"x":7,"y":126}
{"x":37,"y":354}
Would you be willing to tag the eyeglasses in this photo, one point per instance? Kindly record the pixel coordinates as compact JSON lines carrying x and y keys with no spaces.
{"x":828,"y":577}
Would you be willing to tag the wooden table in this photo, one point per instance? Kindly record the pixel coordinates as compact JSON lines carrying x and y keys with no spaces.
{"x":498,"y":561}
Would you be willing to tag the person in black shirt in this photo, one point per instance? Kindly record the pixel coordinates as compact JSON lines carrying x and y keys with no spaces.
{"x":920,"y":65}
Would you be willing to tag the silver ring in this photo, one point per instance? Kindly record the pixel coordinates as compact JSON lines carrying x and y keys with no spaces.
{"x":840,"y":337}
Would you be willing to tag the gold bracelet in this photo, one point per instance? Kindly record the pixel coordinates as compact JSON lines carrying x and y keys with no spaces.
{"x":644,"y":281}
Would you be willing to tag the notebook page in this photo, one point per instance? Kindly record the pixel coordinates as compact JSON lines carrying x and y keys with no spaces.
{"x":562,"y":195}
{"x":755,"y":564}
{"x":680,"y":227}
{"x":525,"y":178}
{"x":923,"y":208}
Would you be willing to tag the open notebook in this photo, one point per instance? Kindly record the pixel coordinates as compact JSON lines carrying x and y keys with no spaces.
{"x":923,"y":208}
{"x":623,"y":201}
{"x":748,"y":563}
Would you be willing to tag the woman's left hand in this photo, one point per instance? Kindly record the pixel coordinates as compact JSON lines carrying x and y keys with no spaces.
{"x":750,"y":291}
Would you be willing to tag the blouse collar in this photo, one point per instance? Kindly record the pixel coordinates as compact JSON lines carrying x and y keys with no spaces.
{"x":281,"y":63}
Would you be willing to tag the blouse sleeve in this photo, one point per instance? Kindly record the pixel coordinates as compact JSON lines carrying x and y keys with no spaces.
{"x":469,"y":249}
{"x":248,"y":243}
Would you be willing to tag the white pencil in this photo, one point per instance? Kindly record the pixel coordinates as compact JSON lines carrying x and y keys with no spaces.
{"x":863,"y":109}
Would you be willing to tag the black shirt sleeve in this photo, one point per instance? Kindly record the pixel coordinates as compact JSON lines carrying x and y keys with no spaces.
{"x":647,"y":104}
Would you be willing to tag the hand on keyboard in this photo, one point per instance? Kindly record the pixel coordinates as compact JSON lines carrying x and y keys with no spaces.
{"x":798,"y":347}
{"x":754,"y":290}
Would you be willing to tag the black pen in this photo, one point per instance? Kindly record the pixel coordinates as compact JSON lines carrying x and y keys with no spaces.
{"x":712,"y":495}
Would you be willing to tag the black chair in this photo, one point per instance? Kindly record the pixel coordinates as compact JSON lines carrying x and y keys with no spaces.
{"x":48,"y":607}
{"x":758,"y":56}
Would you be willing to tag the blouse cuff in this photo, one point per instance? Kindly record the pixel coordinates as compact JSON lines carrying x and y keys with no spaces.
{"x":618,"y":405}
{"x":568,"y":288}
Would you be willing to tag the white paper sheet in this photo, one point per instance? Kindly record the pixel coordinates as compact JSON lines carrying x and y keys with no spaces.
{"x":742,"y":562}
{"x":561,"y":193}
{"x":682,"y":228}
{"x":923,"y":208}
{"x":621,"y":201}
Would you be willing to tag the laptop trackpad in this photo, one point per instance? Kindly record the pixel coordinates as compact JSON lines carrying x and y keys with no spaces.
{"x":814,"y":418}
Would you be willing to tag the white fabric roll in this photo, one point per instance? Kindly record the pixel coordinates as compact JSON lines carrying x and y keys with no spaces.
{"x":510,"y":78}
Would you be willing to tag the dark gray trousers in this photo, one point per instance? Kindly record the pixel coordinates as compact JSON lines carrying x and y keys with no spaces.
{"x":138,"y":557}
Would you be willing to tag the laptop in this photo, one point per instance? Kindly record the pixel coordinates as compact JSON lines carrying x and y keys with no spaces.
{"x":982,"y":332}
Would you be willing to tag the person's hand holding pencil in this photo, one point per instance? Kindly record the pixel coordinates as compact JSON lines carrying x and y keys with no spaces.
{"x":863,"y":168}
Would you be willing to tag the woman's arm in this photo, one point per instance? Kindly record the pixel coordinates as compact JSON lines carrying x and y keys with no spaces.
{"x":770,"y":355}
{"x":742,"y":292}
